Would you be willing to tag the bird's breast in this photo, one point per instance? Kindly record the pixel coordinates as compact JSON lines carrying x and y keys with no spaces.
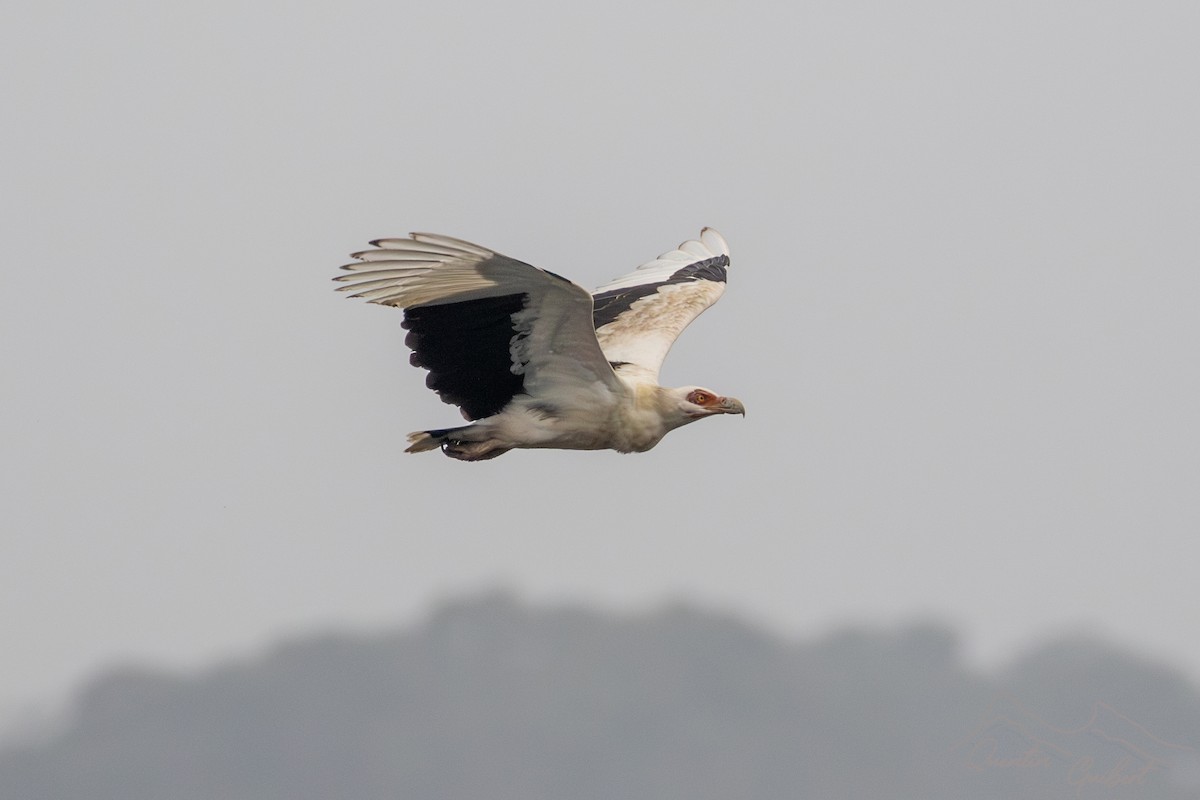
{"x":636,"y":429}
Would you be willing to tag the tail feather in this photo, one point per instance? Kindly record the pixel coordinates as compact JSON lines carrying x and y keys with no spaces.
{"x":454,"y":446}
{"x":420,"y":441}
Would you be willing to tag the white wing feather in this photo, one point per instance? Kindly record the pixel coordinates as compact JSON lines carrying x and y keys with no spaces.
{"x":643,"y":333}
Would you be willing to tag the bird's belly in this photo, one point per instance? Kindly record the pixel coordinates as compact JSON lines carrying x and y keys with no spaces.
{"x":619,"y":432}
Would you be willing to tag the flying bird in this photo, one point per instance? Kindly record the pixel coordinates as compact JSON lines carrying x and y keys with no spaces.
{"x":536,"y":361}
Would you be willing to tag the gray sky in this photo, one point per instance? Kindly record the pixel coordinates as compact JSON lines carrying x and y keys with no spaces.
{"x":962,"y":314}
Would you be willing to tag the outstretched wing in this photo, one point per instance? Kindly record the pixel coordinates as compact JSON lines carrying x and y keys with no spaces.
{"x":487,"y":327}
{"x":640,"y":315}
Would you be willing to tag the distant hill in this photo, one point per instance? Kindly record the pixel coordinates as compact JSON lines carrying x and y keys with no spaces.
{"x":492,"y":699}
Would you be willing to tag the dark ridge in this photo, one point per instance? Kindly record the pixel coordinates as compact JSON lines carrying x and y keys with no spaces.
{"x":617,"y":364}
{"x":607,"y":306}
{"x":467,"y":349}
{"x":490,"y":698}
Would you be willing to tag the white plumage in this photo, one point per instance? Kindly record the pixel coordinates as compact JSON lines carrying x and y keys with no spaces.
{"x":536,"y":360}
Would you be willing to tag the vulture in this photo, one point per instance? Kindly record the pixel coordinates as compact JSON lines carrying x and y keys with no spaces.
{"x":533,"y":360}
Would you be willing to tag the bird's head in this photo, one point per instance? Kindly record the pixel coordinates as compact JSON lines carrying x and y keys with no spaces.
{"x":696,"y":402}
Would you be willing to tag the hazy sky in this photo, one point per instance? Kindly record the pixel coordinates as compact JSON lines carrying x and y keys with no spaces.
{"x":964,"y":315}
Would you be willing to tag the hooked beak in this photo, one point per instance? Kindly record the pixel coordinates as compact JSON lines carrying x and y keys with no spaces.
{"x":731,"y":405}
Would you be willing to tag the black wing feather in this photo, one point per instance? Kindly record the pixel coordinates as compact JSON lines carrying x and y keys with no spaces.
{"x":467,"y":348}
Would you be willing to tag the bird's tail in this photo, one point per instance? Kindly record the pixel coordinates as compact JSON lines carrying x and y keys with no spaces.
{"x":420,"y":441}
{"x":454,"y":445}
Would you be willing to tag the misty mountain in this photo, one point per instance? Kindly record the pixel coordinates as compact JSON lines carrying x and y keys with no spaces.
{"x":490,"y":698}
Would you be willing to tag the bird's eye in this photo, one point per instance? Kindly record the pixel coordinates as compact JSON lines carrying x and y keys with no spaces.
{"x":699,"y":398}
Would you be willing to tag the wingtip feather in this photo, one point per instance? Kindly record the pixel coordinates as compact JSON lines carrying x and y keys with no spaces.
{"x":714,"y":241}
